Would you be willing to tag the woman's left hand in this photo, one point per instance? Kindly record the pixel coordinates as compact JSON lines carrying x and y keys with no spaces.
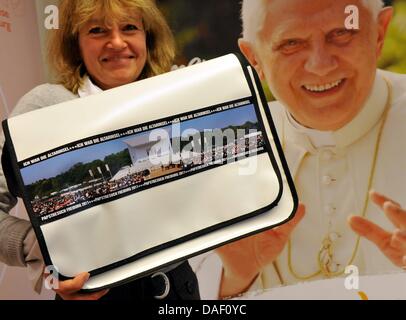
{"x":70,"y":289}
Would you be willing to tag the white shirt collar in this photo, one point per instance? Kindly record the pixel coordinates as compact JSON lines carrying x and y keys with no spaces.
{"x":88,"y":88}
{"x":318,"y":138}
{"x":352,"y":131}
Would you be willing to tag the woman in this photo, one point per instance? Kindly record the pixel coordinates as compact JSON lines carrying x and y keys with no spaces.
{"x":101,"y":44}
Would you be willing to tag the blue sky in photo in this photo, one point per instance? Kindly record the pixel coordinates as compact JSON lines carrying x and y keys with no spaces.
{"x":236,"y":116}
{"x":62,"y":163}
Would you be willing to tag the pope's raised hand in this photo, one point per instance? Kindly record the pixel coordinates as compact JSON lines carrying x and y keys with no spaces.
{"x":392,"y":244}
{"x":245,"y":258}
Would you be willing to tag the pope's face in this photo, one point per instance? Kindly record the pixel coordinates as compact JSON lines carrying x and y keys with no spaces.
{"x":316,"y":67}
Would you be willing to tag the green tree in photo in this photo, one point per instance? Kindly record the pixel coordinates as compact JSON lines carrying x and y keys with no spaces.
{"x":394,"y":52}
{"x":79,"y":174}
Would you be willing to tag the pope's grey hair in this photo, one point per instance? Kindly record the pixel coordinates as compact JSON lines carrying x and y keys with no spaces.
{"x":253,"y":14}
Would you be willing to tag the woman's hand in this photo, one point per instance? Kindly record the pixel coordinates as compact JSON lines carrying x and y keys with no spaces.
{"x":69,"y":289}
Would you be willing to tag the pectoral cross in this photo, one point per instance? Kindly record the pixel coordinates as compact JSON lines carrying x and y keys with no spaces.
{"x":326,"y":257}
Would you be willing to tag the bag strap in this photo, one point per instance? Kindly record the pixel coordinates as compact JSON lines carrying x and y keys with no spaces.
{"x":9,"y":173}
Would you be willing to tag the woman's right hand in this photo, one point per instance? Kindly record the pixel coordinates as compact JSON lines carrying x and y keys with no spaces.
{"x":69,"y":289}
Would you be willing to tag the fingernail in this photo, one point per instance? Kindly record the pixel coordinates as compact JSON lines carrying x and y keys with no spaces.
{"x":399,"y":235}
{"x":389,"y":204}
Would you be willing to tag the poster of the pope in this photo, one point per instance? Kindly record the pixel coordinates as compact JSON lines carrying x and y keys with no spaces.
{"x":341,"y":120}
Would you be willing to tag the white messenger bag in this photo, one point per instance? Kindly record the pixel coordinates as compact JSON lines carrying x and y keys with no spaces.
{"x":129,"y":181}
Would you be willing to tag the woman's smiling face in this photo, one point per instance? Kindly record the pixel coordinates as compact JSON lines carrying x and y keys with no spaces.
{"x":114,"y":54}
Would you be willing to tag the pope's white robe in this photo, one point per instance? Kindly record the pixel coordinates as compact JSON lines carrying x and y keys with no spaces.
{"x":331,"y":172}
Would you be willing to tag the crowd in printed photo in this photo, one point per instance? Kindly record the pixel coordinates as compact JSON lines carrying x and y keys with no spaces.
{"x":90,"y":191}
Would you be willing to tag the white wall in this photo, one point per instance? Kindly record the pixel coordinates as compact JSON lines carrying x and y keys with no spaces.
{"x":20,"y":58}
{"x":21,"y":69}
{"x":43,"y":32}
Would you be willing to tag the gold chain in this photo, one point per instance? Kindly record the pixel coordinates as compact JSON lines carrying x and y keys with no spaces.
{"x":326,"y":248}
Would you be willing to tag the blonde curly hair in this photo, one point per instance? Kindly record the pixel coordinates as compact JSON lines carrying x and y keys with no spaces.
{"x":63,"y":44}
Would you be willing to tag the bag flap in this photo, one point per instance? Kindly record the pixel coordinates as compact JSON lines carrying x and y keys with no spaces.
{"x":124,"y":182}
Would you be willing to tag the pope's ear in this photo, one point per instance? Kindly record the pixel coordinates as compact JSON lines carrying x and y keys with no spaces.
{"x":384,"y":18}
{"x":249,"y":53}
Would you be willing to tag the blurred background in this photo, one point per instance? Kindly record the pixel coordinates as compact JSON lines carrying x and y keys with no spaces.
{"x":394,"y":52}
{"x":206,"y":29}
